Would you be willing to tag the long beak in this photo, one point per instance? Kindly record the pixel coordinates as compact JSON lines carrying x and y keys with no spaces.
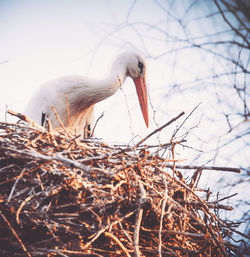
{"x":141,"y":89}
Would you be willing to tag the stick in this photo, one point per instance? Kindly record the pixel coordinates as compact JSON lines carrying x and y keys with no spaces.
{"x":96,"y":235}
{"x":58,"y":157}
{"x":15,"y":234}
{"x":210,"y":205}
{"x":58,"y":118}
{"x":138,"y":221}
{"x":159,"y":129}
{"x":72,"y":253}
{"x":224,"y":198}
{"x":67,"y":131}
{"x":14,"y":186}
{"x":93,"y":130}
{"x":185,"y":120}
{"x":193,"y":167}
{"x":108,"y":234}
{"x":51,"y":135}
{"x":162,"y":216}
{"x":182,"y":233}
{"x":21,"y":206}
{"x":21,"y":117}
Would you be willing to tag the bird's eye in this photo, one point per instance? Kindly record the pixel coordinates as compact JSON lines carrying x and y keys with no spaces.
{"x":140,"y":65}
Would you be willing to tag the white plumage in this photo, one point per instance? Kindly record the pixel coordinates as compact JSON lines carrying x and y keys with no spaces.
{"x":73,"y":97}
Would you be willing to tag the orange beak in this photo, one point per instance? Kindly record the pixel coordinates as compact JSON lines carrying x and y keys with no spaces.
{"x":141,"y":90}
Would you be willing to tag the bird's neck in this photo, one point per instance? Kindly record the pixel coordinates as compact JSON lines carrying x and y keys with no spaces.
{"x":113,"y":81}
{"x":117,"y":75}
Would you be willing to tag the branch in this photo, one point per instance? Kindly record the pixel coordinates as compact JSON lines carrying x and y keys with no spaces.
{"x":159,"y":129}
{"x":230,"y":25}
{"x":21,"y":117}
{"x":108,"y":234}
{"x":57,"y":157}
{"x":15,"y":234}
{"x":93,"y":130}
{"x":185,"y":120}
{"x":138,"y":221}
{"x":193,"y":167}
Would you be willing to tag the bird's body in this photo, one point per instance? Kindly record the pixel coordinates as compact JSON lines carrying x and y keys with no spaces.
{"x":73,"y":97}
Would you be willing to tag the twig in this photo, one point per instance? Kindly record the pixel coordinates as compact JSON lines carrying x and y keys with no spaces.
{"x":72,"y":253}
{"x":40,"y":181}
{"x":14,"y":186}
{"x":159,"y":129}
{"x":93,"y":130}
{"x":15,"y":234}
{"x":224,"y":198}
{"x":51,"y":135}
{"x":195,"y":178}
{"x":210,"y":205}
{"x":62,"y":125}
{"x":174,"y":134}
{"x":96,"y":235}
{"x":182,"y":233}
{"x":162,"y":216}
{"x":240,"y":233}
{"x":237,"y":31}
{"x":108,"y":234}
{"x":21,"y":206}
{"x":57,"y":157}
{"x":193,"y":167}
{"x":138,"y":220}
{"x":58,"y":118}
{"x":22,"y":117}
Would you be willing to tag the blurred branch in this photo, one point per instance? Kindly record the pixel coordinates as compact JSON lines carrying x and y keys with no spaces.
{"x":230,"y":24}
{"x":4,"y":61}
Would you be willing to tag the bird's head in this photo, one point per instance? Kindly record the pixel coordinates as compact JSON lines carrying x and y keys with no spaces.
{"x":136,"y":69}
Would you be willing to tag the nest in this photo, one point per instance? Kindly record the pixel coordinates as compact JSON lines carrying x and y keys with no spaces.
{"x":61,"y":196}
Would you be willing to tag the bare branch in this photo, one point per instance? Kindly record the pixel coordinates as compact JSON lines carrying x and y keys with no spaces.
{"x":159,"y":129}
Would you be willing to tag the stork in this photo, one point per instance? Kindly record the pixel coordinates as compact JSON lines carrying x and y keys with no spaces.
{"x":74,"y":96}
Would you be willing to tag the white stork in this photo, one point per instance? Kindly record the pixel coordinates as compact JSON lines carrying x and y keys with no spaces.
{"x":74,"y":96}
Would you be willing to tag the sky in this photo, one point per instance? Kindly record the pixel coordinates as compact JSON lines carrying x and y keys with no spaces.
{"x":41,"y":40}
